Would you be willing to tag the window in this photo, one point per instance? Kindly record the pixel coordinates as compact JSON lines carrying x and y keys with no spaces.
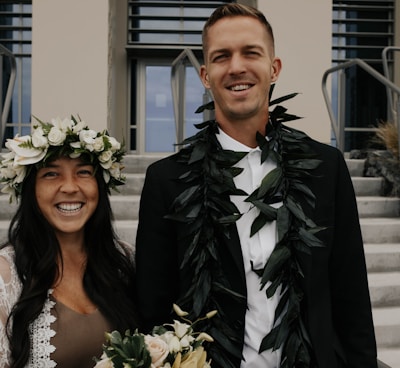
{"x":361,"y":29}
{"x":16,"y":36}
{"x":158,"y":31}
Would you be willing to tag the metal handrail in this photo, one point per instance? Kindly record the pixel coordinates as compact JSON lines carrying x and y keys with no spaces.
{"x":339,"y":126}
{"x":5,"y":108}
{"x":178,"y":85}
{"x":386,"y":74}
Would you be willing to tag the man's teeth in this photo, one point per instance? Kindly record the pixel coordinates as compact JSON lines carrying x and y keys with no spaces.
{"x":240,"y":87}
{"x":69,"y":207}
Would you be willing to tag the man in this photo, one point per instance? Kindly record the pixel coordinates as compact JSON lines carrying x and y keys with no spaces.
{"x":256,"y":220}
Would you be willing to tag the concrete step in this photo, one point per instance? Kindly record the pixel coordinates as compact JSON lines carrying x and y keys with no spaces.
{"x":384,"y":289}
{"x":355,"y":166}
{"x":125,"y":207}
{"x":364,"y":186}
{"x":126,"y":230}
{"x":380,"y":230}
{"x":387,"y":327}
{"x":139,"y":164}
{"x":382,"y":257}
{"x":133,"y":185}
{"x":390,"y":356}
{"x":378,"y":206}
{"x":387,"y":332}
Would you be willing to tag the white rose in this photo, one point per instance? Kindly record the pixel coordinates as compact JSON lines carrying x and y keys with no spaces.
{"x":56,"y":137}
{"x":105,"y":157}
{"x":24,"y":155}
{"x":38,"y":138}
{"x":158,"y":349}
{"x":115,"y":170}
{"x":98,"y":144}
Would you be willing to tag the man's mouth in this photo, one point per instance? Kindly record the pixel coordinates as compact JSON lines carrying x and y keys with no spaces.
{"x":240,"y":87}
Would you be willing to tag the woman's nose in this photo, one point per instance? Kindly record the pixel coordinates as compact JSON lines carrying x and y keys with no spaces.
{"x":69,"y":184}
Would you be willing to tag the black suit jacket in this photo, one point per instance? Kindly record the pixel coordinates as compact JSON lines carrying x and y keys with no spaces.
{"x":337,"y":308}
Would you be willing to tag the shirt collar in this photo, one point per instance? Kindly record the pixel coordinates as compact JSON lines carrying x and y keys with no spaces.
{"x":228,"y":143}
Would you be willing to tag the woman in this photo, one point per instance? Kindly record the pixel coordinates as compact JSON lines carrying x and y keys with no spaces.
{"x":65,"y":279}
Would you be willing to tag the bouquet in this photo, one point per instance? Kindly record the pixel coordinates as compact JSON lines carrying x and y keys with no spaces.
{"x":174,"y":345}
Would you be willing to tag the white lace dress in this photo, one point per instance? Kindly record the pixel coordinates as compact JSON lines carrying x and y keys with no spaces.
{"x":41,"y":333}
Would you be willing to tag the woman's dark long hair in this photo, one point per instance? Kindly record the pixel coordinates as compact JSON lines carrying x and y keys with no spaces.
{"x":108,"y":279}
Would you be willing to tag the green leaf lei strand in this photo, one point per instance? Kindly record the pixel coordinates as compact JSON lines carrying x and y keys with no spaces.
{"x":207,"y":212}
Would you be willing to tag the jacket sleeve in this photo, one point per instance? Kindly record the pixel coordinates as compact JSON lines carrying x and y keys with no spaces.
{"x":351,"y":306}
{"x":156,"y":251}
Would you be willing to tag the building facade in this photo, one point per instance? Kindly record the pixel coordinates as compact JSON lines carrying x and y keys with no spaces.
{"x":111,"y":61}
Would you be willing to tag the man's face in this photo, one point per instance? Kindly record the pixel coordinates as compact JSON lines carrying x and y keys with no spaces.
{"x":239,"y":68}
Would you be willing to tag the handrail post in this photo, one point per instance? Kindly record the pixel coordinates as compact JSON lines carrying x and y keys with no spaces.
{"x":7,"y":101}
{"x":178,"y":85}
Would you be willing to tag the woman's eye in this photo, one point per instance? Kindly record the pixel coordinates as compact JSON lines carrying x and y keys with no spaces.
{"x":85,"y":172}
{"x":50,"y":174}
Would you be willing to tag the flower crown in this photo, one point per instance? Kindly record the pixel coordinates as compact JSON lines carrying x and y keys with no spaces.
{"x":67,"y":137}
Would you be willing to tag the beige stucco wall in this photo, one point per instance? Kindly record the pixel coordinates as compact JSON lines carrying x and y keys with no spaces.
{"x":302,"y":31}
{"x":79,"y":63}
{"x":70,"y":59}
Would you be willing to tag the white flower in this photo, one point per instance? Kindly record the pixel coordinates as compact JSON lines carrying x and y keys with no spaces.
{"x":56,"y":136}
{"x":87,"y":136}
{"x":78,"y":127}
{"x":174,"y":345}
{"x":181,"y":329}
{"x":24,"y":155}
{"x":115,"y":145}
{"x":63,"y":125}
{"x":38,"y":138}
{"x":105,"y":158}
{"x":158,"y":349}
{"x":98,"y":144}
{"x":115,"y":170}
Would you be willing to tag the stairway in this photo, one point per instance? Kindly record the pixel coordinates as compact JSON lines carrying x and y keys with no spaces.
{"x":380,"y":224}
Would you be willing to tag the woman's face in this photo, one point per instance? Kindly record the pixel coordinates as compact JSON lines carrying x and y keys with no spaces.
{"x":67,"y":194}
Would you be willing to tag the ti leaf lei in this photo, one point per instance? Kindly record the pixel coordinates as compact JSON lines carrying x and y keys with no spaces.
{"x":205,"y":209}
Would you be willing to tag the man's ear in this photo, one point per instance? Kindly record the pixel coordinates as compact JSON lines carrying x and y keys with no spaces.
{"x":204,"y":77}
{"x":276,"y":67}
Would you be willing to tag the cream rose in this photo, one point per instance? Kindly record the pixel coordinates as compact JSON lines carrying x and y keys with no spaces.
{"x":158,"y":349}
{"x":56,"y":137}
{"x":98,"y":144}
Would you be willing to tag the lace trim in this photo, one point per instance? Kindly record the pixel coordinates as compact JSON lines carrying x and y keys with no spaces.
{"x":41,"y":333}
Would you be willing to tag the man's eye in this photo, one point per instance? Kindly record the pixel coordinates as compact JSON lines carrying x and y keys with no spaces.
{"x":219,"y":57}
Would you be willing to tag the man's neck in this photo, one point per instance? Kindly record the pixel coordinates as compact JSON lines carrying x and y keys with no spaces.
{"x":243,"y":131}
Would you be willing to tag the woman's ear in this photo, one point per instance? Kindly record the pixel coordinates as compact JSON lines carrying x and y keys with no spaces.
{"x":276,"y":67}
{"x":204,"y":77}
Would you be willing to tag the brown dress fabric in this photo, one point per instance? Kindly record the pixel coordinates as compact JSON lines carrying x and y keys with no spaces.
{"x":79,"y":337}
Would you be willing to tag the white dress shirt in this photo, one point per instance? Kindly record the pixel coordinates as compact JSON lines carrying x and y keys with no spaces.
{"x":256,"y":249}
